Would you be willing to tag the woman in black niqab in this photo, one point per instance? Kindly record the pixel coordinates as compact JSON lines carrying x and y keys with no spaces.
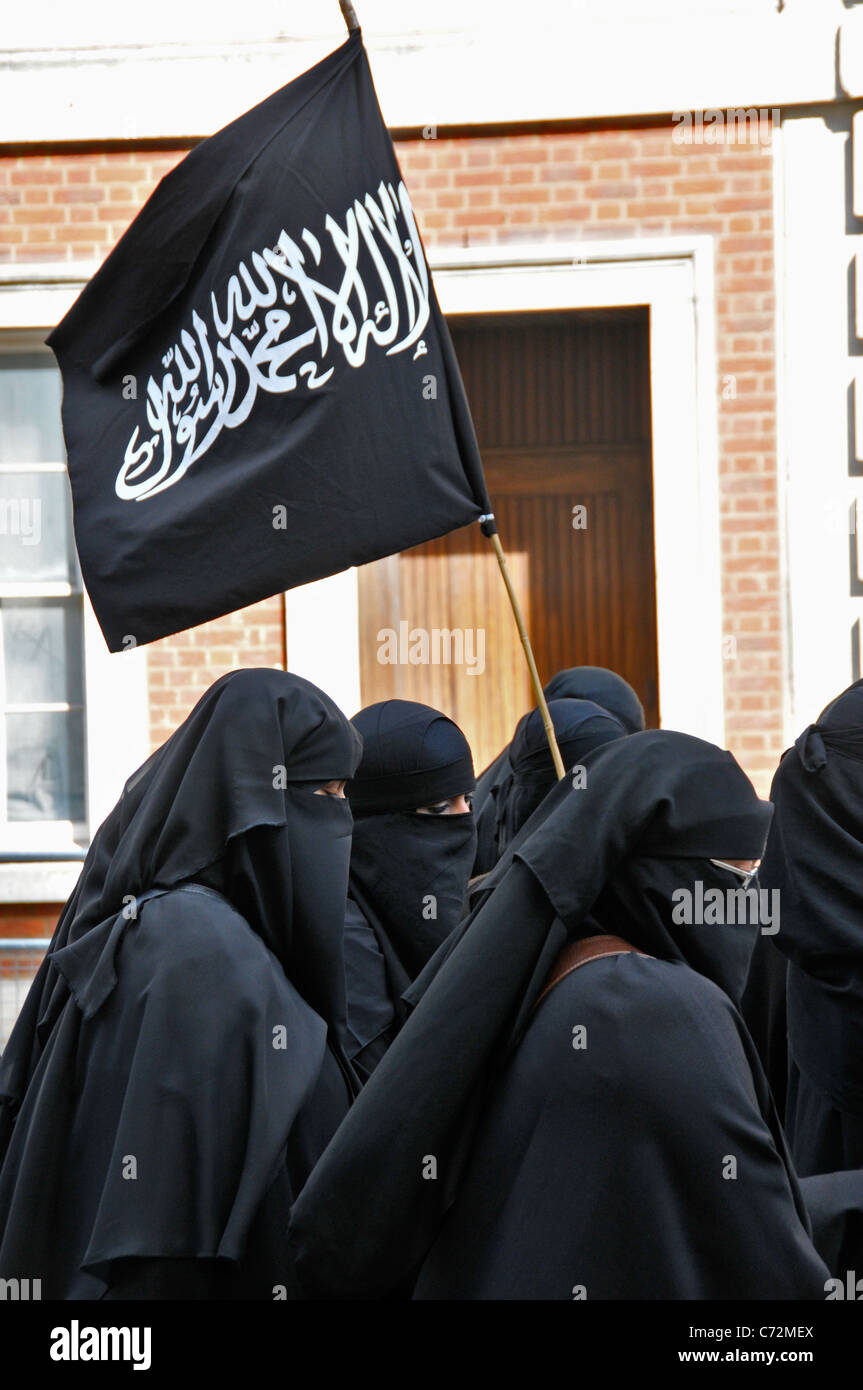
{"x":814,"y":858}
{"x":647,"y":1164}
{"x":179,"y":1062}
{"x":604,"y":688}
{"x":410,"y":861}
{"x":579,"y":726}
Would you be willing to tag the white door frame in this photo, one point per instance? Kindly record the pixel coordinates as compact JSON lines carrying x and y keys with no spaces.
{"x":673,"y":276}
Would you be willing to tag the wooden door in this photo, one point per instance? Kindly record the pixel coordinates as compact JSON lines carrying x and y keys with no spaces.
{"x":561,"y":404}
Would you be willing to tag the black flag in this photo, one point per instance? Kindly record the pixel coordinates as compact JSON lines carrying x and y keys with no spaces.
{"x":259,"y":386}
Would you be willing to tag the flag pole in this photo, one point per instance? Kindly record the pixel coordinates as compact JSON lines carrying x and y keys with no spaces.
{"x":350,"y":15}
{"x":488,"y":527}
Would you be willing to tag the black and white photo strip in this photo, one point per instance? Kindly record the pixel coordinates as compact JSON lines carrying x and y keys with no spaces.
{"x":431,"y":682}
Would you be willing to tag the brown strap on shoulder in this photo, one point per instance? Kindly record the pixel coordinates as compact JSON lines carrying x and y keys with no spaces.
{"x":578,"y":953}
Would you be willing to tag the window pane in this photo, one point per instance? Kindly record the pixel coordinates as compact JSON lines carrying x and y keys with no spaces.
{"x":30,"y":395}
{"x":45,"y":763}
{"x":42,"y":651}
{"x":36,"y":538}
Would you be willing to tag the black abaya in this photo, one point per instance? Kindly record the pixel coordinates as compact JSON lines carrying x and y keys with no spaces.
{"x":603,"y":1173}
{"x":814,"y":858}
{"x":179,"y":1063}
{"x":651,"y":1160}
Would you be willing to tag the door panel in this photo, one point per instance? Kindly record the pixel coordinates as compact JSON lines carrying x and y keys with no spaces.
{"x":561,"y":405}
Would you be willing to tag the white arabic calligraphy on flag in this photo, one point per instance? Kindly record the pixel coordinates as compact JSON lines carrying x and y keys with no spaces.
{"x":204,"y":390}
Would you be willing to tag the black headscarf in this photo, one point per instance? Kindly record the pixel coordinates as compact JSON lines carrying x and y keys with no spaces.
{"x":579,"y":725}
{"x":814,"y":857}
{"x":208,"y":913}
{"x":368,"y":1216}
{"x":603,"y":687}
{"x":606,"y":689}
{"x":409,"y":871}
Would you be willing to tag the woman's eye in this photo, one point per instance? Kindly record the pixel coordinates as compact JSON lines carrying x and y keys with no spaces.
{"x":331,"y":789}
{"x":439,"y":810}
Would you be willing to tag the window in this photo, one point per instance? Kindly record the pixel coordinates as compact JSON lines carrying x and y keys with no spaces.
{"x":42,"y":687}
{"x":73,"y":718}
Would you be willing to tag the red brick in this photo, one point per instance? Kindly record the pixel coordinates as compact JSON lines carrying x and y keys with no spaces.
{"x":510,"y":195}
{"x":80,"y":193}
{"x":525,"y":173}
{"x":474,"y":178}
{"x":566,"y":212}
{"x":523,"y":154}
{"x":37,"y":217}
{"x":651,"y":207}
{"x":27,"y":176}
{"x":120,"y":173}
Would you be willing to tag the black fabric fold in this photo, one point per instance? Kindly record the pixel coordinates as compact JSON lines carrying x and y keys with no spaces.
{"x":834,"y":1202}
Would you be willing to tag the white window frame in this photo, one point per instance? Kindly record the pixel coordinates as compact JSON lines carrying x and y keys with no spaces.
{"x":116,"y":714}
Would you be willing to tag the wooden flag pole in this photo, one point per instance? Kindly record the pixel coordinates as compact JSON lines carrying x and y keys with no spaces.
{"x":488,"y":528}
{"x":350,"y":15}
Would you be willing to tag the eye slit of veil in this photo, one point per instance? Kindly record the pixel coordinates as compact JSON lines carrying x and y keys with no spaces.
{"x":745,"y":875}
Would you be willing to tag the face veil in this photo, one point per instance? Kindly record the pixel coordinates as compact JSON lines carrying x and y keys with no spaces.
{"x":409,"y":870}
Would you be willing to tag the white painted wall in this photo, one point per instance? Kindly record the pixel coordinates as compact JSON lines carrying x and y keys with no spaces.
{"x":98,"y":69}
{"x":816,"y":249}
{"x":323,"y":639}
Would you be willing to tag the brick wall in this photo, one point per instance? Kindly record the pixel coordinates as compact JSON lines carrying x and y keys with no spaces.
{"x":30,"y":919}
{"x":179,"y":669}
{"x":588,"y":184}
